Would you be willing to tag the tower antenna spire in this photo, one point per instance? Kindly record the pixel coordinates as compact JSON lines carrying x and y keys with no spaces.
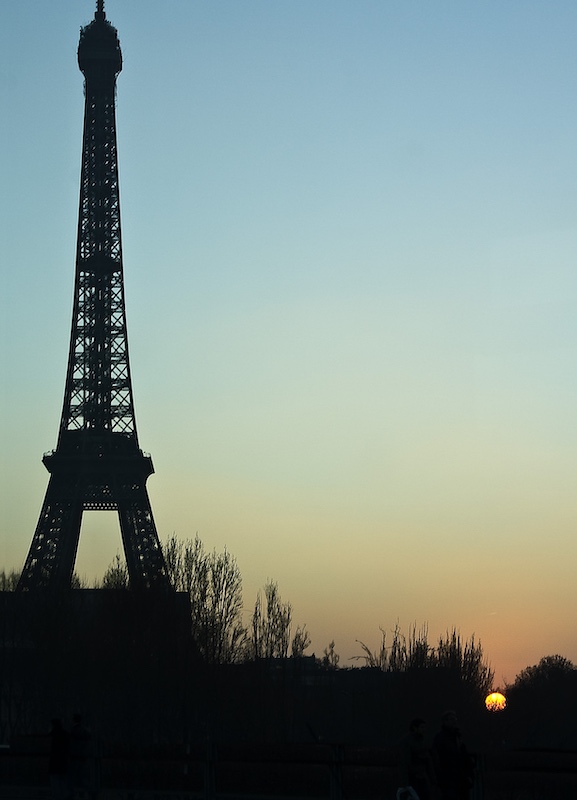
{"x":100,"y":10}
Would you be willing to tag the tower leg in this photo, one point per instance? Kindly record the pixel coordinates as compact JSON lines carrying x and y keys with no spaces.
{"x":144,"y":559}
{"x":52,"y":554}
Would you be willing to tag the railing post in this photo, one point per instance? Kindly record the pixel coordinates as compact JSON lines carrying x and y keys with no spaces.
{"x":478,"y":790}
{"x":336,"y":772}
{"x":209,"y":771}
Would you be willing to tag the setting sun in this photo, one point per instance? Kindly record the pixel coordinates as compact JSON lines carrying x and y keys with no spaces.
{"x":495,"y":701}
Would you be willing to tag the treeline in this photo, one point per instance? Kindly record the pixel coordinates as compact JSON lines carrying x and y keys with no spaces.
{"x":213,"y":583}
{"x":450,"y":652}
{"x":136,"y":670}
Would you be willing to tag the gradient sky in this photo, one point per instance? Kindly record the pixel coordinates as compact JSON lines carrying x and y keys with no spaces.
{"x":350,"y":251}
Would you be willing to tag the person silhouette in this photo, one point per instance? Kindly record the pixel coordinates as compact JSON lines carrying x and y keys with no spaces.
{"x":58,"y":760}
{"x":453,"y":763}
{"x":415,"y":763}
{"x":80,"y":757}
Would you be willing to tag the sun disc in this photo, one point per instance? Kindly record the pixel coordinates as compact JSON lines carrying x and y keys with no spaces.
{"x":495,"y":701}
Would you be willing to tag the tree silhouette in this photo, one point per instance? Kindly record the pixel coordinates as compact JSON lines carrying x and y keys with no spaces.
{"x":9,"y":580}
{"x":270,"y":624}
{"x":301,"y":640}
{"x":115,"y":576}
{"x":270,"y":628}
{"x":542,"y":704}
{"x":214,"y":585}
{"x":548,"y":673}
{"x":331,"y":658}
{"x":465,"y":660}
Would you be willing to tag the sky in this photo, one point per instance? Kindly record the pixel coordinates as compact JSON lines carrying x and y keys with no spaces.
{"x":350,"y":253}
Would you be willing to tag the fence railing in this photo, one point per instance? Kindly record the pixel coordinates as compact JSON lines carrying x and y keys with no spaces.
{"x":226,"y":771}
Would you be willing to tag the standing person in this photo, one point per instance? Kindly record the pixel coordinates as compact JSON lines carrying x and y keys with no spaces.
{"x":58,"y":761}
{"x":415,"y":764}
{"x":453,"y":763}
{"x":81,"y":765}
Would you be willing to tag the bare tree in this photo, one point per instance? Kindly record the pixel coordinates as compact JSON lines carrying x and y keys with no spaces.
{"x":115,"y":576}
{"x":270,"y":630}
{"x":271,"y":623}
{"x":464,"y":658}
{"x":379,"y":658}
{"x":389,"y":658}
{"x":301,"y":640}
{"x":214,"y":585}
{"x":76,"y":582}
{"x":227,"y":633}
{"x":330,"y":659}
{"x":419,"y":654}
{"x":9,"y":580}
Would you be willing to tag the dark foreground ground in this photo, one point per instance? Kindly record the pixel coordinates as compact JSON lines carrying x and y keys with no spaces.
{"x":228,"y":772}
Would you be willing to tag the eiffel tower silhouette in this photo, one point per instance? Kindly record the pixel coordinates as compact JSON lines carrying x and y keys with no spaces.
{"x":97,"y":464}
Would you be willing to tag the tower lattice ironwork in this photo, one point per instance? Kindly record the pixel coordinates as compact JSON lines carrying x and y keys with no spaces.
{"x":97,"y":463}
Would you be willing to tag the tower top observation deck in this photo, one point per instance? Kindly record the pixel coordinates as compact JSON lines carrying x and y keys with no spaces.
{"x":99,"y":49}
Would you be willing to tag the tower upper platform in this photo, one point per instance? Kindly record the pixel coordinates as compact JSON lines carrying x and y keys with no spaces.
{"x":99,"y":49}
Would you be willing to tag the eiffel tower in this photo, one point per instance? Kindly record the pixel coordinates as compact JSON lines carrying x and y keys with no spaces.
{"x":97,"y":464}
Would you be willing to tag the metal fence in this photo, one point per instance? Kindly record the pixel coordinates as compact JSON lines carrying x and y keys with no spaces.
{"x":224,"y":771}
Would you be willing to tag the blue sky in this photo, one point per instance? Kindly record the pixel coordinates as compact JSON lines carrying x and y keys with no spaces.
{"x":350,"y":239}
